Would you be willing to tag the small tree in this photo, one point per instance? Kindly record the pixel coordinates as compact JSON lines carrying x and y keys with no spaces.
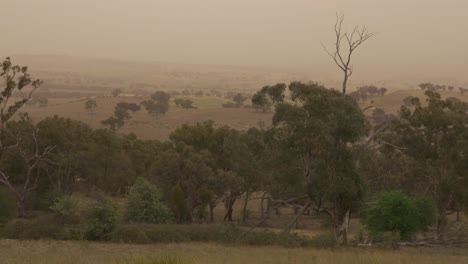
{"x":116,"y":92}
{"x":121,"y":114}
{"x":158,"y":103}
{"x":382,"y":91}
{"x":462,"y":90}
{"x":90,"y":105}
{"x":395,"y":212}
{"x":102,"y":219}
{"x":239,"y":99}
{"x":184,"y":103}
{"x":145,"y":204}
{"x":408,"y":100}
{"x":65,"y":208}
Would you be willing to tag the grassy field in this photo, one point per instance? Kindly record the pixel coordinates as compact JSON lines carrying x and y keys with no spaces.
{"x":208,"y":108}
{"x":146,"y":126}
{"x":51,"y":252}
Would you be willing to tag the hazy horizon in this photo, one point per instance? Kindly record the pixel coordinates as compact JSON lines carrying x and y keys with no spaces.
{"x":418,"y":39}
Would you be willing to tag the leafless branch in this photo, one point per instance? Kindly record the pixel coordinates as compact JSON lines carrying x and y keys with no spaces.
{"x":353,"y":40}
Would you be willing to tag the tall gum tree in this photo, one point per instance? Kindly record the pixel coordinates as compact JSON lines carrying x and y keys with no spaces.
{"x":18,"y":89}
{"x":317,"y":129}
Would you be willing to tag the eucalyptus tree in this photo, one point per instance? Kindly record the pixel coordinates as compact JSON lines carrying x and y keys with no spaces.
{"x":17,"y":81}
{"x":206,"y":137}
{"x":22,"y":161}
{"x":194,"y":174}
{"x":158,"y":104}
{"x":317,"y":129}
{"x":90,"y":106}
{"x":22,"y":149}
{"x":269,"y":96}
{"x":121,"y":115}
{"x":435,"y":136}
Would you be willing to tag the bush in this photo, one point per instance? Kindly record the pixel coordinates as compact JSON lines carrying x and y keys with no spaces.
{"x":65,"y":208}
{"x":147,"y":233}
{"x":43,"y":227}
{"x":145,"y":204}
{"x":102,"y":219}
{"x":7,"y":206}
{"x":395,"y":212}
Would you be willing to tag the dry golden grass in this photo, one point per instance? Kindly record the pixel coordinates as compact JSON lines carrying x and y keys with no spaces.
{"x":146,"y":126}
{"x":52,"y":252}
{"x":392,"y":101}
{"x":208,"y":108}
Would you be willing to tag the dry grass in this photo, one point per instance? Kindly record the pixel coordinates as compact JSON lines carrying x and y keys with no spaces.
{"x":146,"y":126}
{"x":51,"y":252}
{"x":392,"y":101}
{"x":208,"y":108}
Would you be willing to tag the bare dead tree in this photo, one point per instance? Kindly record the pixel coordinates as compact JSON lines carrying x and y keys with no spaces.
{"x":32,"y":159}
{"x":342,"y":55}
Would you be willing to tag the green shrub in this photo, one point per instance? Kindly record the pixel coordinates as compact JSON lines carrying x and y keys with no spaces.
{"x":144,"y":204}
{"x":395,"y":212}
{"x":65,"y":208}
{"x":7,"y":206}
{"x":73,"y":232}
{"x":102,"y":219}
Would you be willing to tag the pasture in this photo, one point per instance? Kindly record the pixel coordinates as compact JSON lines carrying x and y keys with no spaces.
{"x":54,"y":252}
{"x":146,"y":126}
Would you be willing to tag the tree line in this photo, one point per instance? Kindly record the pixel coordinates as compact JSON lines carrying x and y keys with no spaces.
{"x":321,"y":153}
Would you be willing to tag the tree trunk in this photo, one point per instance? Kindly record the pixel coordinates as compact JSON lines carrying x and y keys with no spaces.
{"x":229,"y":207}
{"x":212,"y":206}
{"x":345,"y":81}
{"x":20,"y":207}
{"x":244,"y":208}
{"x":228,"y":216}
{"x":345,"y":228}
{"x":297,"y":216}
{"x":268,"y":209}
{"x":441,"y":223}
{"x":262,"y":212}
{"x":341,"y":225}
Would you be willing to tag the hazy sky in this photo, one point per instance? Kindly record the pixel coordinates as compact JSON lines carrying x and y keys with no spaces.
{"x":415,"y":37}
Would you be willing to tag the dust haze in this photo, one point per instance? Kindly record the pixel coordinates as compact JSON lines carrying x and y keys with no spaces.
{"x":416,"y":40}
